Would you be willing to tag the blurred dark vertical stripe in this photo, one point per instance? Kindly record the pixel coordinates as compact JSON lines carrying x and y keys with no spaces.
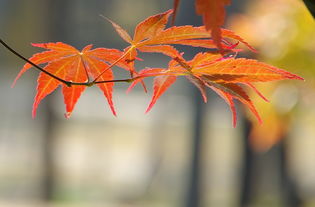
{"x":290,"y":195}
{"x":186,"y":16}
{"x":310,"y":4}
{"x":56,"y":28}
{"x":246,"y":188}
{"x":195,"y":180}
{"x":48,"y":182}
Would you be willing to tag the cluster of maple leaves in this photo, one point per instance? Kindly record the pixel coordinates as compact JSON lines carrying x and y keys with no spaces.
{"x":220,"y":70}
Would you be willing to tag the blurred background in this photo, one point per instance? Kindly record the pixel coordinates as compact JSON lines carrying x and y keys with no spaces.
{"x":184,"y":152}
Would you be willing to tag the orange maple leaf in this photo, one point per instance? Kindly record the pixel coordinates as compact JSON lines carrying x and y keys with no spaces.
{"x":70,"y":64}
{"x":226,"y":76}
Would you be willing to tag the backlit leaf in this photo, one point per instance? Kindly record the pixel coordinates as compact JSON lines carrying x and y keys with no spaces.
{"x":161,"y":84}
{"x":70,"y":64}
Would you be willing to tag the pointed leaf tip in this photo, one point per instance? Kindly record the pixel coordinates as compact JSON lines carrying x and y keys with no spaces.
{"x":67,"y":115}
{"x":161,"y":84}
{"x":151,"y":26}
{"x":122,"y":33}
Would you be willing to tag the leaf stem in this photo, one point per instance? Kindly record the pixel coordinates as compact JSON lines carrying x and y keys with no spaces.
{"x":85,"y":69}
{"x":182,"y":63}
{"x":127,"y":80}
{"x":113,"y":64}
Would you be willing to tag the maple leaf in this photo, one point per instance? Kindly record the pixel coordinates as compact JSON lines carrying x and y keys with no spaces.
{"x":150,"y":35}
{"x":213,"y":14}
{"x":228,"y":77}
{"x":70,"y":64}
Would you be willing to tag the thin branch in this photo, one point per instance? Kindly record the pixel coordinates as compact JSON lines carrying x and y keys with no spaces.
{"x":128,"y":80}
{"x":89,"y":83}
{"x":68,"y":83}
{"x":182,"y":63}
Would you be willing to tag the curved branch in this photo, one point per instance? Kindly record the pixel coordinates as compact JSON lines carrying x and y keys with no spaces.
{"x":68,"y":83}
{"x":89,"y":83}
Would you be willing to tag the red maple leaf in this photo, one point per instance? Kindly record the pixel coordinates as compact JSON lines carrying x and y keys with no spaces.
{"x":226,"y":76}
{"x":70,"y":64}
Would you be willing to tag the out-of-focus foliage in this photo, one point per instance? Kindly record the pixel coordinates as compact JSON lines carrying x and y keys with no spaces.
{"x":283,"y":32}
{"x":277,"y":116}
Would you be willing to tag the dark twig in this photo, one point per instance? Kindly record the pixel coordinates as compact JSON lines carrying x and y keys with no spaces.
{"x":69,"y":83}
{"x":33,"y":64}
